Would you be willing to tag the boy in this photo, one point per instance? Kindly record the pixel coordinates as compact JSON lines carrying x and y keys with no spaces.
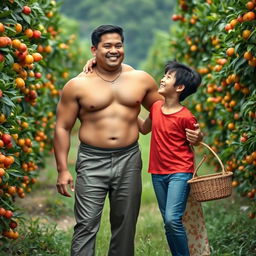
{"x":171,"y":162}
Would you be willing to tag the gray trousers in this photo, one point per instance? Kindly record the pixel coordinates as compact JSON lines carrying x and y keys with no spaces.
{"x":116,"y":172}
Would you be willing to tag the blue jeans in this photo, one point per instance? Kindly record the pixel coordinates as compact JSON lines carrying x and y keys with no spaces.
{"x":172,"y":193}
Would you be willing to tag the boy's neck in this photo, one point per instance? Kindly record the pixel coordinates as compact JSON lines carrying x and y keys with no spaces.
{"x":171,"y":106}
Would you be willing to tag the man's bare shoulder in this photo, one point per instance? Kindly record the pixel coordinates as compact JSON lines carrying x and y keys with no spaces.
{"x":79,"y":80}
{"x":142,"y":76}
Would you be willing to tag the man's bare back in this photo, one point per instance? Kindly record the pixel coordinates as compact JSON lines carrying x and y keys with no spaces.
{"x":108,"y":111}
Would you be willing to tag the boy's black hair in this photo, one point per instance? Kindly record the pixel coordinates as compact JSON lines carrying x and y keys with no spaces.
{"x":105,"y":29}
{"x":184,"y":75}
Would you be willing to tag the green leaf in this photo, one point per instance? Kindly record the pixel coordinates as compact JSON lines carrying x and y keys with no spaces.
{"x":9,"y":59}
{"x":6,"y":100}
{"x":26,"y":18}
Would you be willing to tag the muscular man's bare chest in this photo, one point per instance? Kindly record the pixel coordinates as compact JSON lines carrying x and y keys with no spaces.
{"x":104,"y":95}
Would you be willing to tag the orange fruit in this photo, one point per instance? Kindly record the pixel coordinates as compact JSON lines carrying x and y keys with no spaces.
{"x":37,"y":56}
{"x":28,"y":32}
{"x":233,"y":23}
{"x":231,"y":126}
{"x":29,"y":59}
{"x":48,"y":49}
{"x":230,"y":51}
{"x":2,"y":27}
{"x":193,"y":48}
{"x":248,"y":55}
{"x":20,"y":83}
{"x":246,"y":34}
{"x":249,"y":16}
{"x":250,"y":5}
{"x":2,"y":172}
{"x":18,"y":27}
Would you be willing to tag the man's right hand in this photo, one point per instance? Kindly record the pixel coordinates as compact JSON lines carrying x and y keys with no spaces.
{"x":89,"y":65}
{"x":64,"y":180}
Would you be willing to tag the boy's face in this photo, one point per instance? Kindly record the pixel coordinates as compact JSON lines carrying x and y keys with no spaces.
{"x":167,"y":84}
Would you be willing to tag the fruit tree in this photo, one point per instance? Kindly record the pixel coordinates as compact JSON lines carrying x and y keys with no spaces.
{"x":218,"y":39}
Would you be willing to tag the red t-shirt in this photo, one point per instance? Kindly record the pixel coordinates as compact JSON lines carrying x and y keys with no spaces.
{"x":169,"y":149}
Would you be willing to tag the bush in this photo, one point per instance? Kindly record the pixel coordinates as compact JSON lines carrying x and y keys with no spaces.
{"x":36,"y":59}
{"x":218,"y":39}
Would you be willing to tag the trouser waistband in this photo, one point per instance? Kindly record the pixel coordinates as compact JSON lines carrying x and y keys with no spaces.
{"x":86,"y":147}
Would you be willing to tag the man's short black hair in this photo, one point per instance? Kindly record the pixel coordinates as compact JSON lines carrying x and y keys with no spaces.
{"x":184,"y":75}
{"x":105,"y":29}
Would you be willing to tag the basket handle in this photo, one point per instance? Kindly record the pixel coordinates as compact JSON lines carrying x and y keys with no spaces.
{"x":204,"y":157}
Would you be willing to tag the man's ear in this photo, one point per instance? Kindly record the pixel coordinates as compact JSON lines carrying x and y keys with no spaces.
{"x":180,"y":88}
{"x":93,"y":50}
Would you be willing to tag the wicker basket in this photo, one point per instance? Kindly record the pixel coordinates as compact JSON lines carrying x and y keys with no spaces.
{"x":212,"y":186}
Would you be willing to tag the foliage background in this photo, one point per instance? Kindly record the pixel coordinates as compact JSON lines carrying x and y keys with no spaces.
{"x":139,"y":19}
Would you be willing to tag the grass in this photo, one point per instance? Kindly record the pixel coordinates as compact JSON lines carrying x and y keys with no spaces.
{"x":230,"y":232}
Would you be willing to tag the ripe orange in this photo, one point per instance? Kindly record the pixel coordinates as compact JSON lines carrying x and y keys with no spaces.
{"x":11,"y":190}
{"x":25,"y":126}
{"x":2,"y":211}
{"x":8,"y":214}
{"x":16,"y":67}
{"x":18,"y":28}
{"x":2,"y":27}
{"x":29,"y":59}
{"x":233,"y":23}
{"x":231,"y":126}
{"x":230,"y":51}
{"x":249,"y":16}
{"x":228,"y":27}
{"x":20,"y":83}
{"x":2,"y":172}
{"x":9,"y":160}
{"x":2,"y":118}
{"x":248,"y":55}
{"x":250,"y":5}
{"x":37,"y":56}
{"x":28,"y":32}
{"x":234,"y":183}
{"x":193,"y":48}
{"x":246,"y":34}
{"x":48,"y":49}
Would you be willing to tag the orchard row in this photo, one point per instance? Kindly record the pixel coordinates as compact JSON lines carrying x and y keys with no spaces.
{"x":35,"y":62}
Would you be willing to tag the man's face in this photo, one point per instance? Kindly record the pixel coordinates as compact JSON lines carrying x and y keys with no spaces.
{"x":110,"y":51}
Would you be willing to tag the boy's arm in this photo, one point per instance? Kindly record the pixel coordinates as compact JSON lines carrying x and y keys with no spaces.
{"x":194,"y":136}
{"x":144,"y":125}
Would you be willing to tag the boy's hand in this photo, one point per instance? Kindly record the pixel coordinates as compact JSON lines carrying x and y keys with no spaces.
{"x":194,"y":136}
{"x":89,"y":65}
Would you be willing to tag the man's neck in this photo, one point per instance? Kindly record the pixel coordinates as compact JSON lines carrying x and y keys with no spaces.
{"x":110,"y":71}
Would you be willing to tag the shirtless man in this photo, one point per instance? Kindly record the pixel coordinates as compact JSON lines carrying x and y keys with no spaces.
{"x":107,"y":102}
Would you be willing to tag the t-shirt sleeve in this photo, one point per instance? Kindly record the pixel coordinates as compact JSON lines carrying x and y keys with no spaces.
{"x":189,"y":122}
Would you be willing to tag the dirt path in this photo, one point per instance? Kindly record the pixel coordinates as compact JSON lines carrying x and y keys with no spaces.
{"x":40,"y":204}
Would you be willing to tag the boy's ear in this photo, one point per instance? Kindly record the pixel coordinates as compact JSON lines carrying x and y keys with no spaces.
{"x":180,"y":88}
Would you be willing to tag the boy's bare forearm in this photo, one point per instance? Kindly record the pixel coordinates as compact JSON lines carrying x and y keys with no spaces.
{"x":144,"y":125}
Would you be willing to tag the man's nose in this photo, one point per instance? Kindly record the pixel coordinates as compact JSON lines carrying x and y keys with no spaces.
{"x":113,"y":49}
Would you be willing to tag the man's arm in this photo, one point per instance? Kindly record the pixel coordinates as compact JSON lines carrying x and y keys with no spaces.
{"x":152,"y":94}
{"x":67,"y":111}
